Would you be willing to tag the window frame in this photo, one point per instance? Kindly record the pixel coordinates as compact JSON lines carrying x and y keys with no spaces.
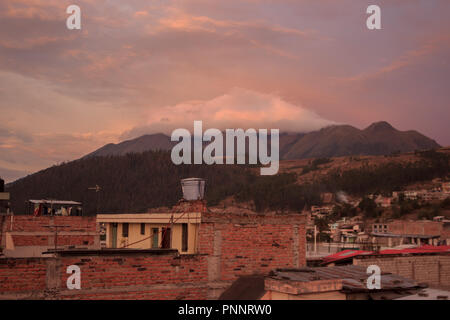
{"x":125,"y":229}
{"x":184,"y":237}
{"x":155,"y":236}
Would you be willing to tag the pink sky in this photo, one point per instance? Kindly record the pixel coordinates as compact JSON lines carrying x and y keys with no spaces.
{"x":145,"y":66}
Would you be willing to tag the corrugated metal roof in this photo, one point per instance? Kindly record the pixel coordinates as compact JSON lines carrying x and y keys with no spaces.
{"x":63,"y":202}
{"x":354,"y":277}
{"x":428,"y":294}
{"x":422,"y":249}
{"x":345,"y":254}
{"x":348,"y":254}
{"x":394,"y":235}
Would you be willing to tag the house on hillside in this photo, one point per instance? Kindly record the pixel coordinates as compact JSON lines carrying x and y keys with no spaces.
{"x":446,"y":189}
{"x":384,"y":202}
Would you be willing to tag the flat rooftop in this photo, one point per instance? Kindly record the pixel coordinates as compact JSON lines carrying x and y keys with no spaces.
{"x":110,"y":251}
{"x":353,"y":278}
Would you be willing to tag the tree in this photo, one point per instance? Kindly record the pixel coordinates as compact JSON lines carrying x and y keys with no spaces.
{"x":322,"y":226}
{"x":368,"y":206}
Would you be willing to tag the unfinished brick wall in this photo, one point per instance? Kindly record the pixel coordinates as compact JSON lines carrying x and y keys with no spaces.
{"x":429,"y":228}
{"x":22,"y":275}
{"x":160,"y":275}
{"x":229,"y":245}
{"x":433,"y":270}
{"x":146,"y":276}
{"x":240,"y":245}
{"x":48,"y":240}
{"x":30,"y":240}
{"x":34,"y":231}
{"x":38,"y":224}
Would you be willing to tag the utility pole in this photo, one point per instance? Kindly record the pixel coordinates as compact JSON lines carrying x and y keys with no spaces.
{"x":55,"y":241}
{"x":315,"y":238}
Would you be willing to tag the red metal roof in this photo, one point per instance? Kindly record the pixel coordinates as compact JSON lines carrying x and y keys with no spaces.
{"x":422,"y":249}
{"x":347,"y":254}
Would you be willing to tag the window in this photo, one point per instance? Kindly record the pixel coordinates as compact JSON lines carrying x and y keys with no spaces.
{"x":114,"y":235}
{"x":165,"y":242}
{"x":142,"y":228}
{"x":125,"y":230}
{"x":155,"y":240}
{"x":184,"y":237}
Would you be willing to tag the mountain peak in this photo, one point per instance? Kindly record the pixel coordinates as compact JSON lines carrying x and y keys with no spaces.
{"x":333,"y":141}
{"x":380,"y":125}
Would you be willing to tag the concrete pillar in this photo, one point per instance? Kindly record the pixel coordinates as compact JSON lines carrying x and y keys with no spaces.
{"x":53,"y":275}
{"x":296,"y":246}
{"x":97,"y":236}
{"x":214,"y":260}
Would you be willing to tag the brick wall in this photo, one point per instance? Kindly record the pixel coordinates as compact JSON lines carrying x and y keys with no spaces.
{"x":240,"y":245}
{"x":30,"y":240}
{"x":430,"y":228}
{"x":37,"y":224}
{"x":433,"y":270}
{"x":229,"y":245}
{"x":28,"y":231}
{"x":146,"y":275}
{"x":22,"y":275}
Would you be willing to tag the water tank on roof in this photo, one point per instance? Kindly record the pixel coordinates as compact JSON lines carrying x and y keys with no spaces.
{"x":193,"y":188}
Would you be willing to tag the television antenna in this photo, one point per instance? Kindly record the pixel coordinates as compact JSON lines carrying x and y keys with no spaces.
{"x":97,"y":188}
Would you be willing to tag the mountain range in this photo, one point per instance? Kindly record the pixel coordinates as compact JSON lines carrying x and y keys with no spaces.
{"x":380,"y":138}
{"x":134,"y":179}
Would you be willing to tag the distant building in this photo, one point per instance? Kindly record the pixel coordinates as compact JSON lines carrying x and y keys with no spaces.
{"x":321,"y":210}
{"x":400,"y":232}
{"x":384,"y":202}
{"x":4,"y":198}
{"x":379,"y":228}
{"x":446,"y":188}
{"x":327,"y":197}
{"x":427,"y":195}
{"x":396,"y":195}
{"x":411,"y":195}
